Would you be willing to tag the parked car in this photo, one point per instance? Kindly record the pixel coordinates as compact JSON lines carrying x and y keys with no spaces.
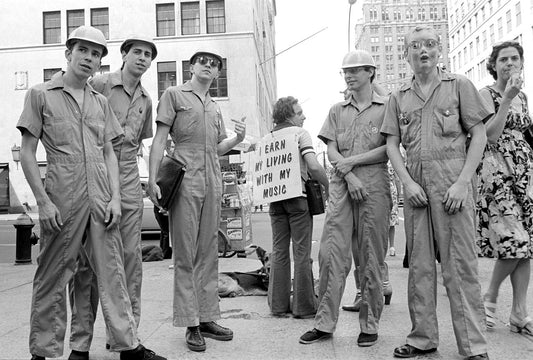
{"x":149,"y":223}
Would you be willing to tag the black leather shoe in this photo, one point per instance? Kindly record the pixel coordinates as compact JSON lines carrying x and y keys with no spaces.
{"x":479,"y":357}
{"x":37,"y":357}
{"x":78,"y":355}
{"x":140,"y":353}
{"x":214,"y":331}
{"x":408,"y":351}
{"x":195,"y":340}
{"x":365,"y":339}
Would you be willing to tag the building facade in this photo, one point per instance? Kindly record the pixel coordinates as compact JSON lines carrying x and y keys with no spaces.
{"x":476,"y":25}
{"x":382,"y":29}
{"x":32,"y":49}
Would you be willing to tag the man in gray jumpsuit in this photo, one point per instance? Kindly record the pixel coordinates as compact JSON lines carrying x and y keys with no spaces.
{"x":195,"y":123}
{"x":359,"y":203}
{"x":79,"y":205}
{"x":132,"y":106}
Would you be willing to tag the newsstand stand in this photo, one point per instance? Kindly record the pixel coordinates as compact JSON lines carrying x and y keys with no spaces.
{"x":235,"y":230}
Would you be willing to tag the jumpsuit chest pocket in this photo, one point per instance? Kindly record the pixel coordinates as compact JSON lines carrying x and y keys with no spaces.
{"x":344,"y":141}
{"x":187,"y":121}
{"x":409,"y":125}
{"x":60,"y":130}
{"x":447,"y":121}
{"x":96,"y":128}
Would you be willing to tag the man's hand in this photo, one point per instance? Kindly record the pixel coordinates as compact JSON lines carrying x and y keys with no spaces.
{"x":240,"y":128}
{"x":50,"y":218}
{"x":154,"y":192}
{"x":455,"y":197}
{"x":356,"y":188}
{"x":415,"y":195}
{"x":113,"y":213}
{"x":342,"y":166}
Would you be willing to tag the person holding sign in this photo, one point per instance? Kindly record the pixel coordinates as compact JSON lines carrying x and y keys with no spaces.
{"x":195,"y":123}
{"x":290,"y":219}
{"x":360,"y":203}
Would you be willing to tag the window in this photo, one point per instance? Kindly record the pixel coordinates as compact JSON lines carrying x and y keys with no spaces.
{"x":75,"y":18}
{"x":373,"y":14}
{"x":100,"y":20}
{"x":166,"y":76}
{"x":388,"y":48}
{"x":491,"y":34}
{"x":518,"y":12}
{"x":219,"y":87}
{"x":471,"y":50}
{"x":165,"y":19}
{"x":374,"y":48}
{"x":409,"y":15}
{"x":48,"y":73}
{"x":216,"y":18}
{"x":500,"y":28}
{"x":51,"y":27}
{"x":421,"y":14}
{"x":376,"y":58}
{"x":477,"y":45}
{"x":508,"y":18}
{"x":384,"y":15}
{"x":190,"y":18}
{"x":484,"y":35}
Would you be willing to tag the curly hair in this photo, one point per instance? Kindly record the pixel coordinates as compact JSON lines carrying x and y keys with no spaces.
{"x":491,"y":61}
{"x":283,"y":109}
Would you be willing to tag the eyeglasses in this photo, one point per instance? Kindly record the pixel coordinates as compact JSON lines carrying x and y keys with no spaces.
{"x":206,"y":59}
{"x":352,"y":71}
{"x":429,"y":44}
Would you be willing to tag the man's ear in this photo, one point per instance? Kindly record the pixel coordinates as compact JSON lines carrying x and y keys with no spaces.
{"x":124,"y":56}
{"x":68,"y":54}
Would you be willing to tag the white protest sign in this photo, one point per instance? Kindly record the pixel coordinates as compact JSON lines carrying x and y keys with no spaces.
{"x":277,"y":167}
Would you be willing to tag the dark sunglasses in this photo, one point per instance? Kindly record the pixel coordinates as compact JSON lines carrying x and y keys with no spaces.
{"x":203,"y":60}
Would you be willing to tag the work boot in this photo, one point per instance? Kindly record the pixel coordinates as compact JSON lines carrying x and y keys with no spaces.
{"x":195,"y":340}
{"x":214,"y":331}
{"x":140,"y":353}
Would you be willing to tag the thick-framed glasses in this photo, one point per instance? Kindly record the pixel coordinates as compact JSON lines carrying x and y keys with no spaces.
{"x":203,"y":60}
{"x":429,"y":44}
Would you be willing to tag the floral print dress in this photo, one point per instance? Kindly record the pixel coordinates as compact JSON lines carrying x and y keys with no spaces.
{"x":504,"y":205}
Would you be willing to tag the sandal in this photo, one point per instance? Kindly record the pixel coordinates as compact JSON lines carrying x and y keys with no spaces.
{"x":523,"y":326}
{"x":490,"y":314}
{"x":409,"y":351}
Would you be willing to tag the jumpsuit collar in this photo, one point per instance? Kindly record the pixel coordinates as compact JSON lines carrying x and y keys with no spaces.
{"x":115,"y":79}
{"x":442,"y":76}
{"x":188,"y":88}
{"x":376,"y":99}
{"x":56,"y":82}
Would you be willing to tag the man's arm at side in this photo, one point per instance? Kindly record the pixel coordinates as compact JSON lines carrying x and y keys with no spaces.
{"x":113,"y":211}
{"x":49,"y":215}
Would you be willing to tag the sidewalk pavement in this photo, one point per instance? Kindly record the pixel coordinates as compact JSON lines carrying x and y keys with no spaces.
{"x":258,"y":335}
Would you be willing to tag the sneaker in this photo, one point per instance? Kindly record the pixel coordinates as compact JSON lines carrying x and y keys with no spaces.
{"x":313,"y":336}
{"x":78,"y":355}
{"x":140,"y":353}
{"x":365,"y":339}
{"x":214,"y":331}
{"x":195,"y":340}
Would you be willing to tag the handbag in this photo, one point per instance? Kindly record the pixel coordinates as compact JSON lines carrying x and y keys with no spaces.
{"x":315,"y":202}
{"x":169,"y":178}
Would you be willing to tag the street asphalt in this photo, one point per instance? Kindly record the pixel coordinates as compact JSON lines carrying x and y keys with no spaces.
{"x":259,"y":335}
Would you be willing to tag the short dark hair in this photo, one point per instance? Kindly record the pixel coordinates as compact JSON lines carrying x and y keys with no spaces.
{"x":283,"y":109}
{"x":491,"y":61}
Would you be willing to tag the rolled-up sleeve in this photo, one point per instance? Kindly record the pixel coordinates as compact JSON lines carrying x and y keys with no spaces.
{"x":327,"y":133}
{"x":31,"y":119}
{"x":472,"y":105}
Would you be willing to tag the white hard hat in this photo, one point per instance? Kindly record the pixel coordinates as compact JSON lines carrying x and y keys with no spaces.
{"x":139,"y":38}
{"x":90,"y":34}
{"x":358,"y":58}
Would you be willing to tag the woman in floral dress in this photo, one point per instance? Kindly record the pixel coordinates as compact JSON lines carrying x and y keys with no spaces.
{"x":505,"y":205}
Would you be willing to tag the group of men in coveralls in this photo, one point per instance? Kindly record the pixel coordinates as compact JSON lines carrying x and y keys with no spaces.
{"x":431,"y":117}
{"x":90,"y":206}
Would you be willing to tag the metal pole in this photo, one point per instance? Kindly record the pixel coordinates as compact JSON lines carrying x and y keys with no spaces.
{"x":349,"y":25}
